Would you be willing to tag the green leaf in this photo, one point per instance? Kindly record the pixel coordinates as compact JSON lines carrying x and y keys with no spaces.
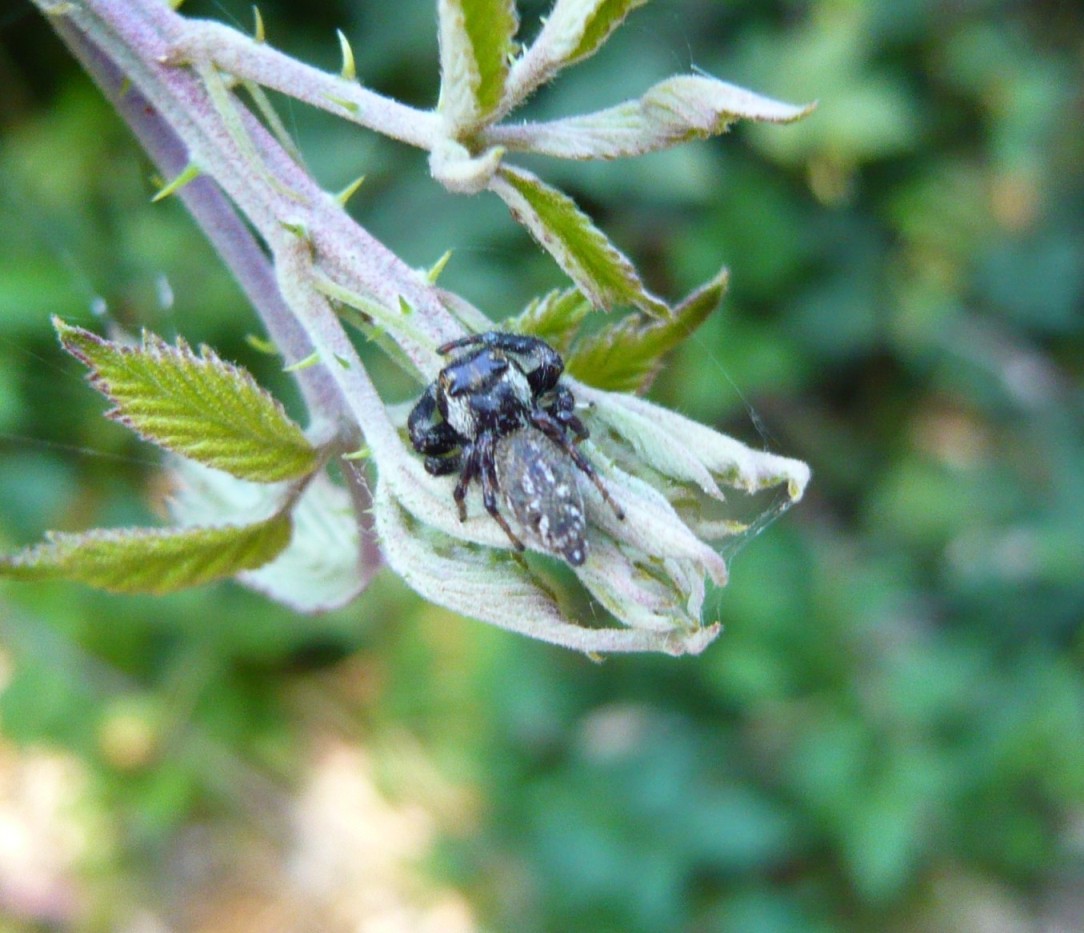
{"x":150,"y":560}
{"x":625,"y":356}
{"x":602,"y":272}
{"x":475,"y":48}
{"x":574,"y":30}
{"x":603,"y":17}
{"x":554,"y":317}
{"x":196,"y":405}
{"x":326,"y":564}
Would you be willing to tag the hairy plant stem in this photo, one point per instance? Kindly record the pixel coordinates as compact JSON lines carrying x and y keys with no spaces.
{"x":215,"y":215}
{"x":307,"y":266}
{"x":188,"y":116}
{"x":246,"y":58}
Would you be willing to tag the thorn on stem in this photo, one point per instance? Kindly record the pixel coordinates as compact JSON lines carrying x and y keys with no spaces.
{"x":258,"y":32}
{"x":350,"y":190}
{"x":189,"y":173}
{"x":349,"y":70}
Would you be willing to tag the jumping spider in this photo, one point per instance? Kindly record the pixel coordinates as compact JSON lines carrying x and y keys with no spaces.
{"x":499,"y":413}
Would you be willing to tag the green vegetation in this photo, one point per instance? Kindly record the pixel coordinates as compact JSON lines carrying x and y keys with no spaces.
{"x":888,"y":734}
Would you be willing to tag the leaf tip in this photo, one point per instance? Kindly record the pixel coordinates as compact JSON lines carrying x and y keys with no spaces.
{"x":76,"y":340}
{"x":62,"y":327}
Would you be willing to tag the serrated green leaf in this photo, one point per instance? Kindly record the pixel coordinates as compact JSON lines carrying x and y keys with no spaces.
{"x":602,"y":272}
{"x":553,"y":318}
{"x":475,"y":48}
{"x":196,"y":405}
{"x":574,"y":30}
{"x":326,"y":564}
{"x":625,"y":356}
{"x":150,"y":560}
{"x":600,"y":21}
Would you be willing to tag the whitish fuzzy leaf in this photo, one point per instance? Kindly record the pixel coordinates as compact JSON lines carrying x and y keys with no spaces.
{"x":150,"y":560}
{"x":632,"y":594}
{"x":200,"y":495}
{"x":326,"y":565}
{"x":658,"y":448}
{"x":665,"y":440}
{"x":733,"y":463}
{"x":672,"y":112}
{"x":323,"y":567}
{"x":196,"y":405}
{"x":452,"y":164}
{"x":554,"y":317}
{"x":651,"y":526}
{"x":626,"y":355}
{"x":475,"y":47}
{"x":705,"y":106}
{"x":574,"y":30}
{"x":500,"y":590}
{"x":600,"y":270}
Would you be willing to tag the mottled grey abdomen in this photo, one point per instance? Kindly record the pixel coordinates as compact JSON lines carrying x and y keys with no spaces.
{"x":538,"y":483}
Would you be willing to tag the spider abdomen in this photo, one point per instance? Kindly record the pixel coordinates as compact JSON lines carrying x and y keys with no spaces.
{"x":539,"y":485}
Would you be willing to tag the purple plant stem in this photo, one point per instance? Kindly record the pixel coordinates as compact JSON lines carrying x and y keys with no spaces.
{"x":274,"y":191}
{"x":268,"y":67}
{"x":215,"y":215}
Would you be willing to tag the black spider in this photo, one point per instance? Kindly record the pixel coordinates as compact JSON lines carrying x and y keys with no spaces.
{"x":499,"y":413}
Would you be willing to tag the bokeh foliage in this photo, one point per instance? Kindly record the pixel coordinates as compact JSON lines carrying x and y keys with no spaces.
{"x":889,"y":732}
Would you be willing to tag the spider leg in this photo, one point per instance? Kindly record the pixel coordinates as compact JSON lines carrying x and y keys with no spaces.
{"x":439,"y":439}
{"x":488,"y":473}
{"x":563,"y":408}
{"x":469,"y":464}
{"x":427,"y":434}
{"x":469,"y":341}
{"x":545,"y":362}
{"x":553,"y":429}
{"x":442,"y":466}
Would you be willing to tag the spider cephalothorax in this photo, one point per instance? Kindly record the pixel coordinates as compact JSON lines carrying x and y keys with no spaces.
{"x":499,"y":413}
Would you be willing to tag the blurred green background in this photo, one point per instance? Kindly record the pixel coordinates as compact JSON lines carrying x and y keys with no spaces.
{"x":890,"y":733}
